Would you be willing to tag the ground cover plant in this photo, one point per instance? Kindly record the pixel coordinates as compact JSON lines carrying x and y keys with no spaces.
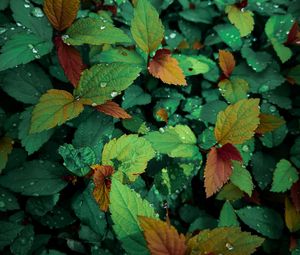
{"x":149,"y":127}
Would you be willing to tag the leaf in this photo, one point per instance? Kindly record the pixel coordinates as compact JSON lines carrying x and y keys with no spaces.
{"x":162,"y":114}
{"x":238,"y":122}
{"x":262,"y":219}
{"x":134,"y":95}
{"x":178,"y":141}
{"x":292,"y":217}
{"x":77,"y":161}
{"x":126,"y":205}
{"x":102,"y":183}
{"x":226,"y":62}
{"x":8,"y":201}
{"x":226,"y":241}
{"x":31,"y":142}
{"x":268,"y":123}
{"x":234,"y":89}
{"x":22,"y":48}
{"x":61,"y":13}
{"x":6,"y":146}
{"x":285,"y":175}
{"x":146,"y":28}
{"x":229,"y":35}
{"x":8,"y":232}
{"x":112,"y":78}
{"x":295,"y":195}
{"x":70,"y":60}
{"x":94,"y":31}
{"x":294,"y":75}
{"x":219,"y":167}
{"x":243,"y":20}
{"x":113,"y":109}
{"x":193,"y":65}
{"x":161,"y":237}
{"x":35,"y":178}
{"x":166,"y":68}
{"x":54,"y":108}
{"x":26,"y":83}
{"x":241,"y":178}
{"x":39,"y":206}
{"x":130,"y":152}
{"x":19,"y":246}
{"x":228,"y":217}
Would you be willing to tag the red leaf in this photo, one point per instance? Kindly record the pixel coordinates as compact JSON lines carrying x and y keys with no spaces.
{"x":295,"y":195}
{"x":113,"y":109}
{"x":226,"y":62}
{"x":293,"y":36}
{"x":219,"y":167}
{"x":70,"y":60}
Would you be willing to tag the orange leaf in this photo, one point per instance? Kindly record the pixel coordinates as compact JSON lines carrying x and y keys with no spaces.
{"x":268,"y":123}
{"x":113,"y":109}
{"x":163,"y":114}
{"x":102,"y":183}
{"x":162,"y":238}
{"x":219,"y":167}
{"x":226,"y":62}
{"x":70,"y":60}
{"x":166,"y":68}
{"x":61,"y":13}
{"x":291,"y":216}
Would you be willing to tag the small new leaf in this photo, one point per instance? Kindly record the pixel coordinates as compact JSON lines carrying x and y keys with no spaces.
{"x":54,"y":108}
{"x":166,"y":68}
{"x":226,"y":62}
{"x":162,"y":238}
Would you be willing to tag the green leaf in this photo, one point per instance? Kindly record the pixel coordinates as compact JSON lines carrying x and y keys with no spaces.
{"x":295,"y":153}
{"x":5,"y":149}
{"x":229,"y":35}
{"x":26,"y":83}
{"x":129,"y":154}
{"x":94,"y":31}
{"x":31,"y":142}
{"x":8,"y":232}
{"x":54,"y":108}
{"x":146,"y":28}
{"x":243,"y":20}
{"x":178,"y":141}
{"x":112,"y":78}
{"x":78,"y":161}
{"x":228,"y":217}
{"x":8,"y":201}
{"x":277,"y":29}
{"x":234,"y":89}
{"x":35,"y":178}
{"x":241,"y":178}
{"x":39,"y":206}
{"x":262,"y":219}
{"x":285,"y":175}
{"x":23,"y":48}
{"x":126,"y":205}
{"x":24,"y":242}
{"x":193,"y":65}
{"x":135,"y":95}
{"x":87,"y":210}
{"x":294,"y":73}
{"x":201,"y":15}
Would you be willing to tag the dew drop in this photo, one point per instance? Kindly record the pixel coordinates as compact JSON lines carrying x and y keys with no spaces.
{"x":245,"y":148}
{"x":103,"y":84}
{"x":94,"y":104}
{"x":172,"y":35}
{"x":102,"y":27}
{"x":114,"y":94}
{"x":37,"y":12}
{"x":229,"y":246}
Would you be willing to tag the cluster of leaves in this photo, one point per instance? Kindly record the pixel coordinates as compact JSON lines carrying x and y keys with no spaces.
{"x":123,"y":123}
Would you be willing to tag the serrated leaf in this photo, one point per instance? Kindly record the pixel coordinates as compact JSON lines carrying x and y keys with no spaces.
{"x":243,"y":20}
{"x":113,"y":109}
{"x":126,"y":205}
{"x":166,"y":68}
{"x":230,"y":192}
{"x":234,"y":89}
{"x":268,"y":123}
{"x":132,"y":154}
{"x":229,"y":35}
{"x":135,"y":95}
{"x":226,"y":62}
{"x":285,"y":175}
{"x":292,"y":217}
{"x":238,"y":122}
{"x":103,"y":82}
{"x":262,"y":219}
{"x":94,"y":31}
{"x":54,"y":108}
{"x":101,"y":178}
{"x":241,"y":178}
{"x":218,"y":167}
{"x":8,"y":201}
{"x":35,"y":178}
{"x":8,"y":232}
{"x":6,"y":146}
{"x":23,"y":243}
{"x":228,"y":217}
{"x":146,"y":28}
{"x":61,"y":13}
{"x":226,"y":241}
{"x":161,"y":237}
{"x":257,"y":60}
{"x":178,"y":141}
{"x":22,"y":48}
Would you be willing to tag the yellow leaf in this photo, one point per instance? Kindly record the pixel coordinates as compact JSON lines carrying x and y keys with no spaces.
{"x":61,"y":13}
{"x":162,"y":238}
{"x":268,"y":123}
{"x":237,"y":123}
{"x":292,"y":217}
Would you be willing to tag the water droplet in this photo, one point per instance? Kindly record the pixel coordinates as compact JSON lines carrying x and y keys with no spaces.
{"x":65,"y":38}
{"x":94,"y":104}
{"x":263,"y":88}
{"x":18,"y":24}
{"x":2,"y":30}
{"x":102,"y":27}
{"x":172,"y":35}
{"x":229,"y":246}
{"x":23,"y":241}
{"x":103,"y":84}
{"x":272,"y":108}
{"x":245,"y":148}
{"x":31,"y":183}
{"x":9,"y":200}
{"x":114,"y":94}
{"x":161,"y":130}
{"x":2,"y":204}
{"x":37,"y":12}
{"x":27,"y":5}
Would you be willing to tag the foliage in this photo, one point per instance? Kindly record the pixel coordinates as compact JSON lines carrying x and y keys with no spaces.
{"x":149,"y":127}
